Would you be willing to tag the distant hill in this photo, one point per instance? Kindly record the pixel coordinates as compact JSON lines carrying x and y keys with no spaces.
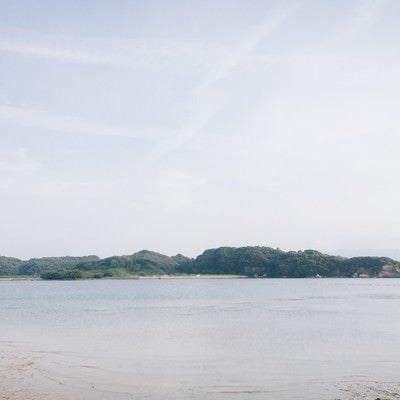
{"x":275,"y":263}
{"x":255,"y":261}
{"x":9,"y":266}
{"x":144,"y":262}
{"x":35,"y":266}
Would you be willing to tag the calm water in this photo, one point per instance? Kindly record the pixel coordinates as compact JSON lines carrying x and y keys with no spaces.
{"x":207,"y":339}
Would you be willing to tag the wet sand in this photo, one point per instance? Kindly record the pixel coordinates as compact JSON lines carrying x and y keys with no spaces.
{"x":18,"y":374}
{"x":39,"y":375}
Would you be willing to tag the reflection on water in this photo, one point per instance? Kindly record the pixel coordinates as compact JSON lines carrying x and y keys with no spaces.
{"x":207,"y":339}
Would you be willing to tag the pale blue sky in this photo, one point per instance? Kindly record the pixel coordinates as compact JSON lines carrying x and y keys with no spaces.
{"x":182,"y":125}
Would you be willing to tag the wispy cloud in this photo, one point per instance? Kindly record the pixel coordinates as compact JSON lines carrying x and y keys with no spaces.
{"x":359,"y":18}
{"x":16,"y":161}
{"x":244,"y":47}
{"x":145,"y":53}
{"x":60,"y":123}
{"x":208,"y":99}
{"x":41,"y":50}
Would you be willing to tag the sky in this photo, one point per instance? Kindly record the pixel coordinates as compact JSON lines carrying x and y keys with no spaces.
{"x":177,"y":126}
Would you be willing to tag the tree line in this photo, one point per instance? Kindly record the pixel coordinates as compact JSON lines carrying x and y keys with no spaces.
{"x":252,"y":261}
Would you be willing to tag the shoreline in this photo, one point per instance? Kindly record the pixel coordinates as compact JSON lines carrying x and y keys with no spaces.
{"x":129,"y":278}
{"x":183,"y":277}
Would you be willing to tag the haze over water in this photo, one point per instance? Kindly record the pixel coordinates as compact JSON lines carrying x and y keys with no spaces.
{"x":204,"y":339}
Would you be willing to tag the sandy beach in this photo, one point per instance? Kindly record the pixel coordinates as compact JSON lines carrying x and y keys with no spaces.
{"x":19,"y":374}
{"x":38,"y":375}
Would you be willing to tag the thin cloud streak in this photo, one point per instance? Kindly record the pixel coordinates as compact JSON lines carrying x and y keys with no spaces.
{"x":359,"y":19}
{"x":60,"y":123}
{"x":16,"y":161}
{"x":152,"y":54}
{"x":209,"y":102}
{"x":39,"y":50}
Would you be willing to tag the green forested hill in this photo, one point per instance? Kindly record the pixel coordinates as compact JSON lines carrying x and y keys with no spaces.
{"x":246,"y":261}
{"x":275,"y":263}
{"x":9,"y":266}
{"x":142,"y":263}
{"x":36,"y":266}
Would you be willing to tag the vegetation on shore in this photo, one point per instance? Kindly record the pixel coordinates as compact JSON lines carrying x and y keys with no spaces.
{"x":252,"y":262}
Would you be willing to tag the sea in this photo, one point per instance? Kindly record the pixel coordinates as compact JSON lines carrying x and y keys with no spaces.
{"x":200,"y":339}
